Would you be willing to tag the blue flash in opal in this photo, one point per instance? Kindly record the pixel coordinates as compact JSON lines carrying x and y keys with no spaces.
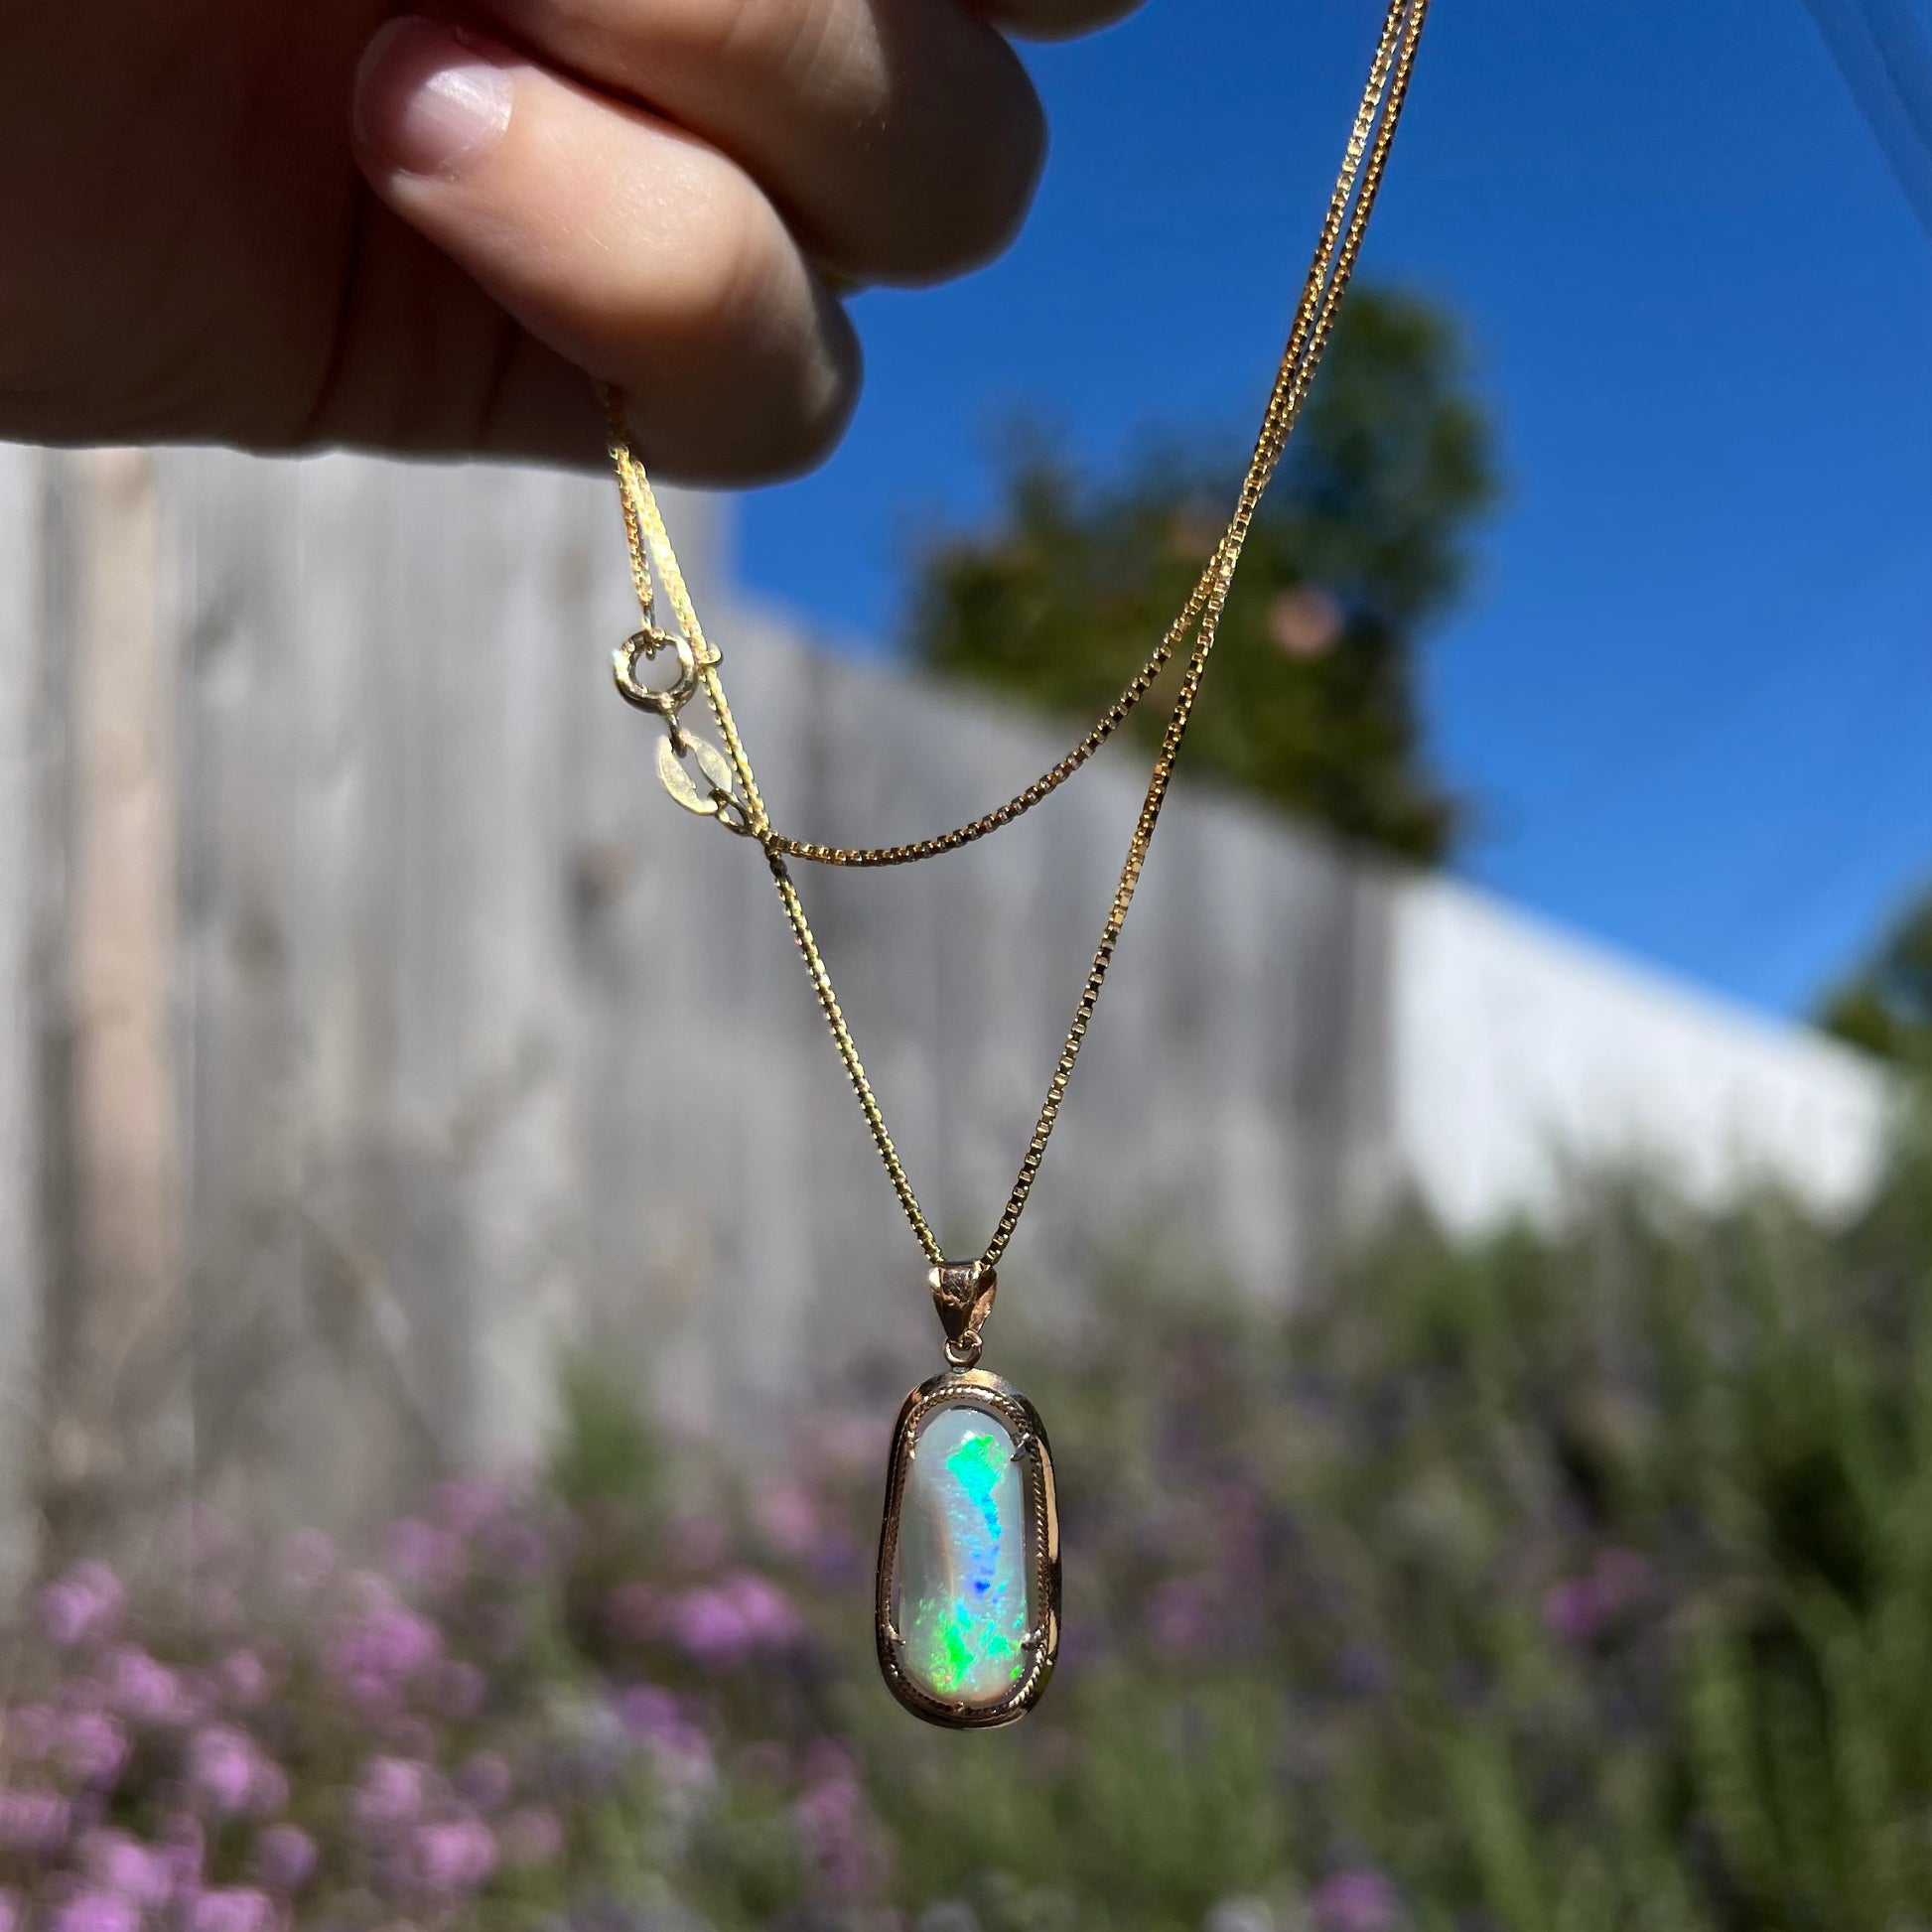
{"x":967,"y":1609}
{"x":963,"y":1560}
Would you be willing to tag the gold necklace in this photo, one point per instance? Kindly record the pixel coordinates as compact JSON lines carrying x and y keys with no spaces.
{"x":967,"y":1604}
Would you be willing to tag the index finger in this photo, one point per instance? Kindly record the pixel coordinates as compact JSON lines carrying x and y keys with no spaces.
{"x":1053,"y":20}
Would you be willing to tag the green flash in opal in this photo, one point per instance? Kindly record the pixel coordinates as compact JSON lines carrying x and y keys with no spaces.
{"x":963,"y":1560}
{"x":967,"y":1602}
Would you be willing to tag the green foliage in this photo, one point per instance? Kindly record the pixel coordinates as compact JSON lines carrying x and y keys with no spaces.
{"x":1885,"y":1006}
{"x":1579,"y":1582}
{"x":607,"y":1451}
{"x":1566,"y":1583}
{"x":1360,"y":546}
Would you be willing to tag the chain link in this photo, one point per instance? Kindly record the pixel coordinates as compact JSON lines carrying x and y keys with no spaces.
{"x":1343,"y":228}
{"x":743,"y":810}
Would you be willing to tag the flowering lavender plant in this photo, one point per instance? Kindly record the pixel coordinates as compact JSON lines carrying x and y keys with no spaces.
{"x":447,"y":1738}
{"x":1569,"y":1581}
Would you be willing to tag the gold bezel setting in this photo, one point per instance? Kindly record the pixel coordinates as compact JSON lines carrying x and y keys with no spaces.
{"x":976,"y":1389}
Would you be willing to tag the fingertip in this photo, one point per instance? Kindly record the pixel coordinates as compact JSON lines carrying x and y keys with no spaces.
{"x":630,"y":249}
{"x":696,"y":434}
{"x":832,"y":397}
{"x":428,"y":100}
{"x":1056,"y":20}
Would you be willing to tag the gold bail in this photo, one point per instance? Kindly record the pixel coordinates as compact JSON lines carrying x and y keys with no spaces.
{"x":963,"y":1292}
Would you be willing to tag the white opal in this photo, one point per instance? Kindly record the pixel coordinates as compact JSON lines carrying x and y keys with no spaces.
{"x":962,"y":1588}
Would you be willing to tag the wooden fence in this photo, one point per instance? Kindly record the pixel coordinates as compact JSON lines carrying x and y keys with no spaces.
{"x":376,"y":1028}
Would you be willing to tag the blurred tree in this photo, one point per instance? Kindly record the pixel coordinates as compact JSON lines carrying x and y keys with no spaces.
{"x":1362,"y":544}
{"x":1885,"y":1006}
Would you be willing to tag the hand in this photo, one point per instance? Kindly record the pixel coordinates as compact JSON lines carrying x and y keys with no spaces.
{"x":285,"y":223}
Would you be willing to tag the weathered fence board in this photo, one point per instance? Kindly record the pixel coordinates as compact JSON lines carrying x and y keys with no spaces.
{"x":376,"y":1028}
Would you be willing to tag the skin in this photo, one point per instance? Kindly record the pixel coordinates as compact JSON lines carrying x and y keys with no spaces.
{"x":283,"y":223}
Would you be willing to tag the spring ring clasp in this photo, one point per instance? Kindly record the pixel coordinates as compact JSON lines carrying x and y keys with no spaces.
{"x":697,"y":774}
{"x":644,"y":644}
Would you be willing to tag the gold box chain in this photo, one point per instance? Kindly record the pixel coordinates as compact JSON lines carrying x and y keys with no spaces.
{"x":724,"y":785}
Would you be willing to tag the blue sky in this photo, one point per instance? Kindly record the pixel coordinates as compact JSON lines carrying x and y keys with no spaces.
{"x":1691,"y":697}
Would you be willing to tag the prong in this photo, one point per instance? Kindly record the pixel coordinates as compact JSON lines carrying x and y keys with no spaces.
{"x":1026,"y":1443}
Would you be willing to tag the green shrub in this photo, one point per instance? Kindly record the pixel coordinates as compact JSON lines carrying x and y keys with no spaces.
{"x":1564,"y":1583}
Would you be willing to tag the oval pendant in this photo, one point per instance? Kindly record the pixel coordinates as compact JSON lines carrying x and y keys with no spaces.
{"x":968,"y":1605}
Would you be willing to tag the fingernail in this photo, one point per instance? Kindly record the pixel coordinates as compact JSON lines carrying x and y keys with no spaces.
{"x":427,"y":102}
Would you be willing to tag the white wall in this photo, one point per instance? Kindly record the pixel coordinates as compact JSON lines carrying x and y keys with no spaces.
{"x":1525,"y":1054}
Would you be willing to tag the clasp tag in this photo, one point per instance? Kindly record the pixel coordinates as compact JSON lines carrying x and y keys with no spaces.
{"x":709,"y":791}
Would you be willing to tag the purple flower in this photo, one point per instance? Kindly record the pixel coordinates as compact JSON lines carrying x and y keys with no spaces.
{"x":225,"y":1771}
{"x":269,"y":1793}
{"x":467,"y":1504}
{"x":767,"y":1612}
{"x":708,"y":1628}
{"x":232,"y":1908}
{"x":34,"y":1821}
{"x":146,"y":1691}
{"x":723,"y":1625}
{"x":374,"y":1657}
{"x":836,"y":1827}
{"x":530,"y":1837}
{"x":184,"y":1846}
{"x":426,"y":1556}
{"x":645,"y":1711}
{"x":483,"y":1781}
{"x":1356,"y":1901}
{"x":80,"y":1604}
{"x":117,"y":1862}
{"x":97,"y":1911}
{"x":453,"y":1858}
{"x":92,"y":1747}
{"x":9,"y":1909}
{"x":1571,"y":1613}
{"x":1581,"y":1610}
{"x":679,"y":1751}
{"x":243,"y":1678}
{"x":308,"y":1561}
{"x":391,"y":1792}
{"x":284,"y":1857}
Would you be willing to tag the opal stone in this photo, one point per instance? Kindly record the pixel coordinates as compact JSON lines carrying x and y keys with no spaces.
{"x":963,"y":1587}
